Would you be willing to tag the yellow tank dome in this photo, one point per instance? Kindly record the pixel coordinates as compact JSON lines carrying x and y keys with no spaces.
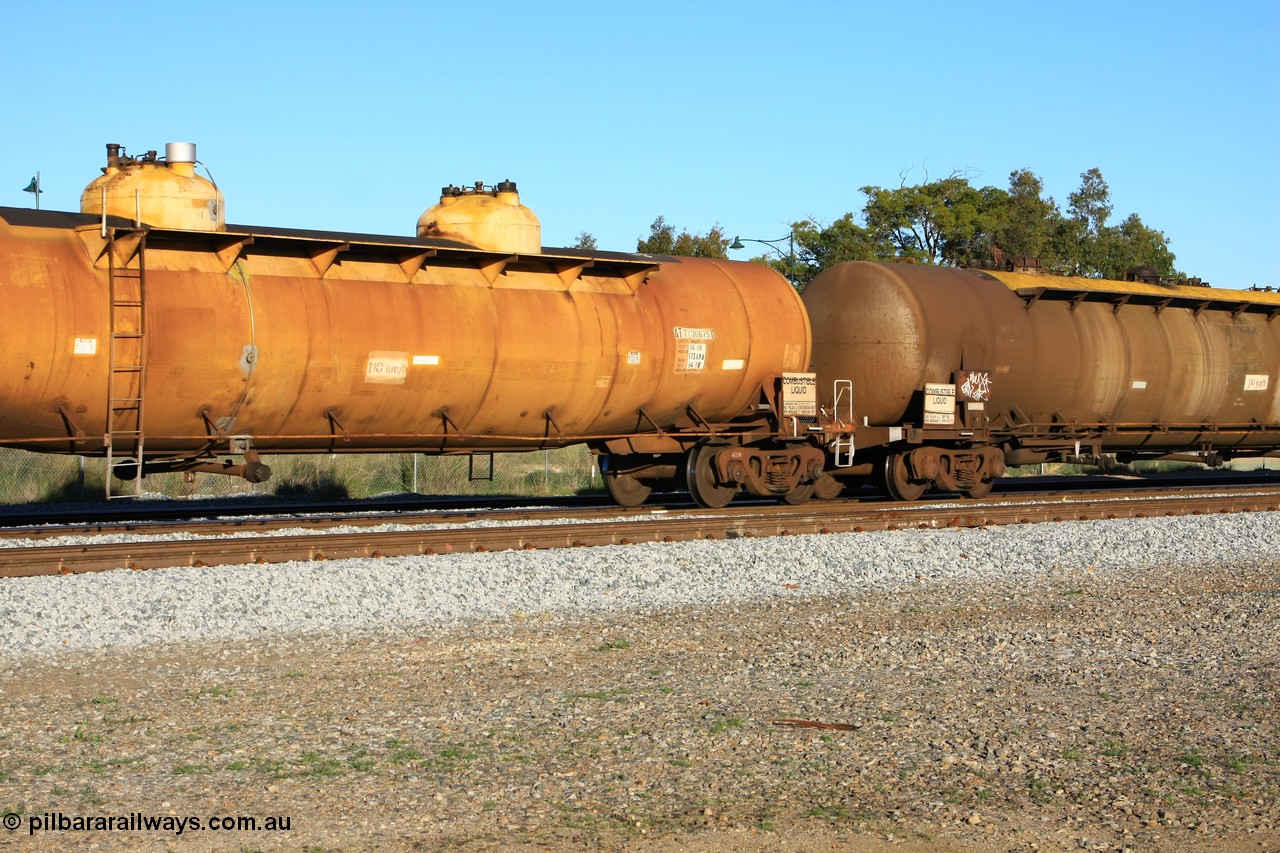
{"x":161,"y":192}
{"x":487,"y":218}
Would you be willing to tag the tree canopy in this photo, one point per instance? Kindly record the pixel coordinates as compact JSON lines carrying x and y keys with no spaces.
{"x":950,"y":222}
{"x":663,"y":240}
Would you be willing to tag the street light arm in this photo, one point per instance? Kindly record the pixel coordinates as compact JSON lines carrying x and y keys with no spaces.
{"x":737,"y":242}
{"x":772,"y":244}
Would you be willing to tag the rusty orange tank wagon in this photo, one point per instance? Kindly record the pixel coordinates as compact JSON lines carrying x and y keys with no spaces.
{"x":955,"y":373}
{"x":145,"y":329}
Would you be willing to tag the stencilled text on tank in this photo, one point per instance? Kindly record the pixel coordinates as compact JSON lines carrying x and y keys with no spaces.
{"x":386,"y":368}
{"x":691,"y":349}
{"x":691,"y":357}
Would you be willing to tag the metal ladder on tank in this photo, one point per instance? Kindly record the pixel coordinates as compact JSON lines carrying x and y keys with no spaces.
{"x":126,"y":351}
{"x":842,"y":411}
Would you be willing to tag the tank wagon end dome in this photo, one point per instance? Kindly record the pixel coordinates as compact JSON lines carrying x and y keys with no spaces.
{"x":485,"y":217}
{"x":163,"y":192}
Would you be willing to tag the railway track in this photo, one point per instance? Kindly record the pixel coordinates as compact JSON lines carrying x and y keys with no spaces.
{"x":252,"y":541}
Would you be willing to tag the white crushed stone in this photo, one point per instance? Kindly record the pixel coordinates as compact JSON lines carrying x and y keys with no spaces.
{"x":123,"y":608}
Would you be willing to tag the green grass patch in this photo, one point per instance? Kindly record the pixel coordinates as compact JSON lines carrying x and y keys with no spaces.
{"x":1115,"y":749}
{"x":83,"y":733}
{"x":191,"y":769}
{"x":830,"y":812}
{"x":1194,"y":758}
{"x":316,"y":765}
{"x":405,"y":756}
{"x":599,"y":695}
{"x":725,"y":725}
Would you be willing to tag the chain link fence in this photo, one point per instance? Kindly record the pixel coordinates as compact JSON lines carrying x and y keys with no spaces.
{"x":39,"y":478}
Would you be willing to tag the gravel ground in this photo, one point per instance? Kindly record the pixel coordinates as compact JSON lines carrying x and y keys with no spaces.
{"x":1097,"y":686}
{"x":96,"y":611}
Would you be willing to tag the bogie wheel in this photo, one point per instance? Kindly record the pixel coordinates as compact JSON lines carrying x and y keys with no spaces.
{"x":798,"y":495}
{"x":898,"y":482}
{"x":625,"y":489}
{"x":700,"y":477}
{"x":827,"y":488}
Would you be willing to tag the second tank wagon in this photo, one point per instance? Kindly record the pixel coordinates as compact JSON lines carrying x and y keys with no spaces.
{"x":958,"y":372}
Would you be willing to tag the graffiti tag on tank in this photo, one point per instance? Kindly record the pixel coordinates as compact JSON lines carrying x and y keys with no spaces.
{"x":974,"y":385}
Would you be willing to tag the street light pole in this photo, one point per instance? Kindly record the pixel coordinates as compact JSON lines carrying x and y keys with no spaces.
{"x":773,"y":244}
{"x":34,"y":187}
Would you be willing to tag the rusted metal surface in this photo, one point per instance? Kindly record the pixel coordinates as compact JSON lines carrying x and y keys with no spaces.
{"x":304,"y":342}
{"x":732,"y":523}
{"x":1151,"y":366}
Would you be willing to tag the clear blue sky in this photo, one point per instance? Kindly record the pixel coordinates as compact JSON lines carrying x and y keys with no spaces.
{"x":351,"y":116}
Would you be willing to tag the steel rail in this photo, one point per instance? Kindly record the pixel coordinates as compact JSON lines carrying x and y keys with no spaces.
{"x":265,"y":522}
{"x":658,"y":526}
{"x":156,"y":518}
